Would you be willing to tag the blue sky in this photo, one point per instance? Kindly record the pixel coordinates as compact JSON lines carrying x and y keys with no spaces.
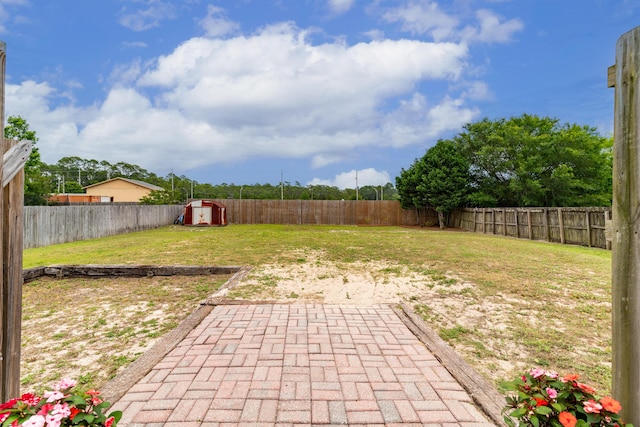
{"x":247,"y":91}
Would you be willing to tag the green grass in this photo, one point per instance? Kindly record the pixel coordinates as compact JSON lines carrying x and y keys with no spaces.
{"x":556,"y":297}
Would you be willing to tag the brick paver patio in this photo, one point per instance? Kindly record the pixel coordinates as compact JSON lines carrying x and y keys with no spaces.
{"x":309,"y":364}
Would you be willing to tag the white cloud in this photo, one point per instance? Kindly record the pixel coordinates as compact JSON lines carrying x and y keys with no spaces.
{"x":423,"y":17}
{"x":349,"y":179}
{"x":148,"y":17}
{"x":271,"y":94}
{"x":340,"y":6}
{"x":492,"y":28}
{"x":215,"y":24}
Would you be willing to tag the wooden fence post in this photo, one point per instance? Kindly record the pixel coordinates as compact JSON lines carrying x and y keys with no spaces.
{"x":626,"y":226}
{"x":588,"y":219}
{"x":529,"y":224}
{"x":561,"y":225}
{"x":12,"y":244}
{"x":3,"y":328}
{"x":545,"y":218}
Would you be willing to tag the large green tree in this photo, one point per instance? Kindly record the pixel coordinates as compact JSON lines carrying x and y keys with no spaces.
{"x":37,"y":187}
{"x":444,"y":182}
{"x":438,"y":180}
{"x":536,"y":161}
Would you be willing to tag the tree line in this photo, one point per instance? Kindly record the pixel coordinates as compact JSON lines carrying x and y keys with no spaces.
{"x":522,"y":161}
{"x":72,"y":174}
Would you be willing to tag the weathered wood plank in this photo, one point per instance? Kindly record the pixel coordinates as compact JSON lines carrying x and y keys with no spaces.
{"x":3,"y":328}
{"x":14,"y":160}
{"x":91,"y":270}
{"x":12,"y":244}
{"x":611,"y":76}
{"x":626,"y":226}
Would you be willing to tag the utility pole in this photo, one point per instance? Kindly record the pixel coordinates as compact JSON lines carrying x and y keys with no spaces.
{"x":357,"y":185}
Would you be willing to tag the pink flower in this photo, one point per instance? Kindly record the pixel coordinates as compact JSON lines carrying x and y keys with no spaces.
{"x":65,"y":384}
{"x":551,"y":374}
{"x":34,"y":421}
{"x":109,"y":422}
{"x":4,"y":416}
{"x":61,"y":409}
{"x":52,"y":396}
{"x":53,"y":420}
{"x":537,"y":372}
{"x":551,"y":392}
{"x":592,"y":407}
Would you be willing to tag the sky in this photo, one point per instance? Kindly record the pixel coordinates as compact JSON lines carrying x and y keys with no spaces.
{"x":330,"y":92}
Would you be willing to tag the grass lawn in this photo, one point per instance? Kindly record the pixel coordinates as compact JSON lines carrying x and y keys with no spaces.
{"x":503,"y":304}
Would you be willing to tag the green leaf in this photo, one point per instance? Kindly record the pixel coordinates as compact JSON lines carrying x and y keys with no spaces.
{"x":118,"y":414}
{"x":518,"y":413}
{"x":508,"y":421}
{"x":534,"y":421}
{"x":543,"y":410}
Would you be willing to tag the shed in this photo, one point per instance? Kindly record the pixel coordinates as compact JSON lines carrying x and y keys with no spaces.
{"x":205,"y":212}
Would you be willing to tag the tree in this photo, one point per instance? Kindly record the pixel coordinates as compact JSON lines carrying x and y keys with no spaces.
{"x":159,"y":197}
{"x":444,"y":182}
{"x":407,"y":184}
{"x":37,"y":187}
{"x":536,"y":161}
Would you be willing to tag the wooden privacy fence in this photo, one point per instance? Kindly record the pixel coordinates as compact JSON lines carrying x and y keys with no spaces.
{"x":318,"y":212}
{"x":577,"y":226}
{"x":50,"y":225}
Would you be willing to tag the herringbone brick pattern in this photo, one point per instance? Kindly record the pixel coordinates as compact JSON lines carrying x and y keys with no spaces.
{"x":266,"y":365}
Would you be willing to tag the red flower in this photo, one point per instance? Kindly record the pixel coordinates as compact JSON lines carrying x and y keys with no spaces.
{"x":570,"y":377}
{"x":610,"y":404}
{"x":541,"y":402}
{"x":30,"y":399}
{"x":93,"y":392}
{"x":4,"y":416}
{"x":8,"y":404}
{"x":586,"y":388}
{"x":44,"y":410}
{"x":74,"y":411}
{"x":109,"y":422}
{"x":567,"y":419}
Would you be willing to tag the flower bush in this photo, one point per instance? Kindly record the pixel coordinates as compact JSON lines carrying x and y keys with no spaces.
{"x":544,"y":399}
{"x":62,"y":406}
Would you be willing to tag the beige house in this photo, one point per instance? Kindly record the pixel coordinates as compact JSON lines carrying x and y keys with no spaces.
{"x":121,"y":189}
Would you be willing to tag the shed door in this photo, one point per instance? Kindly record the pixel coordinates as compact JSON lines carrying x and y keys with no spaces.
{"x":202,"y":215}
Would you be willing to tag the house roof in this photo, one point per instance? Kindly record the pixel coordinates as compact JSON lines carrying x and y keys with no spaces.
{"x":132,"y":181}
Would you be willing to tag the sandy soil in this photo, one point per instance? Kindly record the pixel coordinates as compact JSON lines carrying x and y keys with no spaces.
{"x":446,"y":302}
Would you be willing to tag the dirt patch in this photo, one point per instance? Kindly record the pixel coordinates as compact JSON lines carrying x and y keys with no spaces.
{"x":475,"y":327}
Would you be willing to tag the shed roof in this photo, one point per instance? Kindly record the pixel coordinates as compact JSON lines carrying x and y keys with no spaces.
{"x":132,"y":181}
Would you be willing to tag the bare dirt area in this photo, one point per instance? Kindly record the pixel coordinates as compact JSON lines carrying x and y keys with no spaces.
{"x":114,"y":321}
{"x":91,"y":329}
{"x":473,"y":326}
